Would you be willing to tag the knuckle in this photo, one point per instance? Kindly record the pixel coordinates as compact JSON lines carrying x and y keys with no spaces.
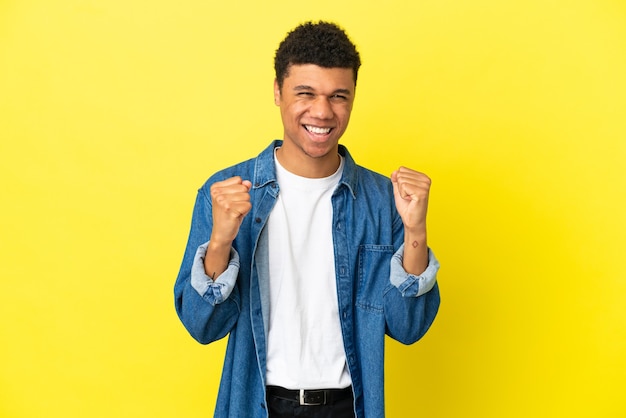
{"x":221,"y":200}
{"x":215,"y":190}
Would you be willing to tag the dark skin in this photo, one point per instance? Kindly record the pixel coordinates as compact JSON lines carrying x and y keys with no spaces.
{"x":315,"y":106}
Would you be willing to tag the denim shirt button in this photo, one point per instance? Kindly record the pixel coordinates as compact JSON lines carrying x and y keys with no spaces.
{"x":257,"y":220}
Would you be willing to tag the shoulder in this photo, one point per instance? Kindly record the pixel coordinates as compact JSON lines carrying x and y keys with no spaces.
{"x":362,"y":180}
{"x":369,"y":181}
{"x":243,"y":169}
{"x":248,"y":169}
{"x":368,"y":175}
{"x":371,"y":191}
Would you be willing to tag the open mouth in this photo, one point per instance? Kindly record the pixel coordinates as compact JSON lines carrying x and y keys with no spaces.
{"x":317,"y":130}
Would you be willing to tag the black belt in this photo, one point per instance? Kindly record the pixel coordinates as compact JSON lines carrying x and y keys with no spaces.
{"x":310,"y":397}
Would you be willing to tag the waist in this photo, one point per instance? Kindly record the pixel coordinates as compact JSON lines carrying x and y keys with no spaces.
{"x":310,"y":396}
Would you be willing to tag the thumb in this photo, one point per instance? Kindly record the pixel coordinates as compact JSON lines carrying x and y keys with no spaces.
{"x":396,"y":185}
{"x":394,"y":176}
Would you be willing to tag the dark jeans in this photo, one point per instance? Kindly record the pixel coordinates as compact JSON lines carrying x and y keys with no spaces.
{"x":285,"y":408}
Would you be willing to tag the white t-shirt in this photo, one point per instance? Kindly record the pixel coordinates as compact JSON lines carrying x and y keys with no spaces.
{"x":305,"y":346}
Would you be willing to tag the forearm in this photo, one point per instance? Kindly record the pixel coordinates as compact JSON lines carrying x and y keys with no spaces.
{"x":204,"y":321}
{"x":411,"y":189}
{"x":415,"y":258}
{"x":217,"y":289}
{"x":408,"y":318}
{"x":216,"y":258}
{"x":208,"y":308}
{"x":410,"y":310}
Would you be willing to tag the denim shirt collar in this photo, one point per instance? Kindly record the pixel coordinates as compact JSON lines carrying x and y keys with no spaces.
{"x":265,"y":169}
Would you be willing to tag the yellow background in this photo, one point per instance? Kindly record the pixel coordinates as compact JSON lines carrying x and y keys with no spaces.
{"x":113,"y":113}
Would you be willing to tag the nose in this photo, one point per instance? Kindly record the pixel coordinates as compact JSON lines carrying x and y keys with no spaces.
{"x":321,"y":108}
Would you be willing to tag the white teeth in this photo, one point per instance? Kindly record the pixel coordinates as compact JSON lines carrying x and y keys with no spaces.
{"x":316,"y":130}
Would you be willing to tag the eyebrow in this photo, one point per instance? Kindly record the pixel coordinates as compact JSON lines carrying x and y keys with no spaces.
{"x":304,"y":87}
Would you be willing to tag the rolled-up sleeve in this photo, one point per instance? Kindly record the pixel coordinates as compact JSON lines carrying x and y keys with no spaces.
{"x":411,"y":285}
{"x":217,"y":290}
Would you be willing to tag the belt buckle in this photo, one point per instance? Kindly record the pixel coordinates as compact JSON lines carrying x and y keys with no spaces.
{"x":303,"y":400}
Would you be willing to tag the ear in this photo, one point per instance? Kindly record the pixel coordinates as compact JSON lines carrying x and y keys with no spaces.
{"x":276,"y":93}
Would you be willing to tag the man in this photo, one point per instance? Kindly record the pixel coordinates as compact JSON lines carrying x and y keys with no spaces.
{"x":306,"y":259}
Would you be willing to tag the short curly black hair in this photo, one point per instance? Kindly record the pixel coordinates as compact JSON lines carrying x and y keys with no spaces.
{"x":321,"y":43}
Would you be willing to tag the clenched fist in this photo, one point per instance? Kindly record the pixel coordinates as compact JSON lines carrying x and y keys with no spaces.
{"x":411,"y":189}
{"x":231,"y":203}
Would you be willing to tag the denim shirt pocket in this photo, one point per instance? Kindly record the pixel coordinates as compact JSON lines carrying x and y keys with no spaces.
{"x":373,"y":276}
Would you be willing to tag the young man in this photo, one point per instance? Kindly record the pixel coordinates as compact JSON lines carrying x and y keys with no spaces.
{"x":306,"y":259}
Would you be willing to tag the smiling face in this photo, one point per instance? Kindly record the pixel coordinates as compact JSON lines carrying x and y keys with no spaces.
{"x":315,"y":105}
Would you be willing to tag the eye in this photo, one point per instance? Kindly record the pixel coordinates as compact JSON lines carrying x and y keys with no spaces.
{"x":305,"y":94}
{"x":339,"y":97}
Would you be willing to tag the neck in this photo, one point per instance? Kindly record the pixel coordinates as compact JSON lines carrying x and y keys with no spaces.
{"x":305,"y":166}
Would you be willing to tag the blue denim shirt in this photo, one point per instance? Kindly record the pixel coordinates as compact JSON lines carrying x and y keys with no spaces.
{"x":376,"y":296}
